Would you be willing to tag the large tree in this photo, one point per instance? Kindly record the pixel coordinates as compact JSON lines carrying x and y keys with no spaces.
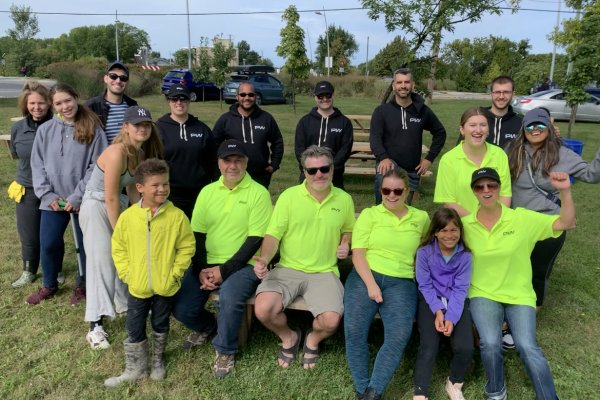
{"x":291,"y":47}
{"x":342,"y":47}
{"x":222,"y":55}
{"x":20,"y":48}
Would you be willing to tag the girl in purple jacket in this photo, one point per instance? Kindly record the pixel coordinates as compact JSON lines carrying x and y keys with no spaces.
{"x":443,"y":273}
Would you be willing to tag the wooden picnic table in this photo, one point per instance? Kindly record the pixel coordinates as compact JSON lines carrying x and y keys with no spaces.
{"x":5,"y":139}
{"x":361,"y":124}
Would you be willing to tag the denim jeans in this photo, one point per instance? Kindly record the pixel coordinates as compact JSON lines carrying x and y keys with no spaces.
{"x":137,"y":313}
{"x":52,"y":245}
{"x":189,"y":308}
{"x":413,"y":183}
{"x":397,"y":312}
{"x":488,"y":316}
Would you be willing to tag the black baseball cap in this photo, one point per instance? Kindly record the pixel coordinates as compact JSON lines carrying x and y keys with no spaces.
{"x":323,"y":87}
{"x":231,"y":147}
{"x":484,"y":173}
{"x":136,"y":114}
{"x":178,"y":91}
{"x":119,"y":65}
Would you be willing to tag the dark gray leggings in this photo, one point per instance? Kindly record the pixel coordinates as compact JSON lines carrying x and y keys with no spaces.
{"x":28,"y":228}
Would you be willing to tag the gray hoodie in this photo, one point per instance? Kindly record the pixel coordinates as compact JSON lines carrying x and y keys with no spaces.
{"x":60,"y":165}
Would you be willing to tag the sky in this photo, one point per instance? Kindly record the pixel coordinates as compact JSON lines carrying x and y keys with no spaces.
{"x":261,"y":28}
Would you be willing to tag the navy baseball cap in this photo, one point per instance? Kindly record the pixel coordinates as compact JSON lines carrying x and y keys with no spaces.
{"x":231,"y":147}
{"x":484,"y":173}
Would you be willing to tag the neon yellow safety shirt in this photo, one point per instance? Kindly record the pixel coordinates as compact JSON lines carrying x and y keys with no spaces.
{"x":453,"y":183}
{"x":229,"y":216}
{"x":309,"y":232}
{"x":501,"y":256}
{"x":391,"y":242}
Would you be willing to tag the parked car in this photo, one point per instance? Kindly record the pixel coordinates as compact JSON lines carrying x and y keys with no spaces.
{"x":554,"y":101}
{"x":198,"y":90}
{"x":268,"y":88}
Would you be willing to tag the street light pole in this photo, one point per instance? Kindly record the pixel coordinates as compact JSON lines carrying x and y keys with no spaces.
{"x":328,"y":59}
{"x":187,"y":8}
{"x":117,"y":35}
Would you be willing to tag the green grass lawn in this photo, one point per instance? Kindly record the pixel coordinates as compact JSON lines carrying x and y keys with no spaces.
{"x":45,"y":355}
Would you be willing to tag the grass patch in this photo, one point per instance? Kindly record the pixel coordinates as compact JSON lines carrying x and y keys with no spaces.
{"x":45,"y":355}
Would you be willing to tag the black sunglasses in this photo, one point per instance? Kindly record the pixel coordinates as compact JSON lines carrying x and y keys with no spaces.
{"x":324,"y":96}
{"x":246,"y":94}
{"x":324,"y":169}
{"x":491,"y":186}
{"x":388,"y":191}
{"x":113,"y":76}
{"x":178,"y":99}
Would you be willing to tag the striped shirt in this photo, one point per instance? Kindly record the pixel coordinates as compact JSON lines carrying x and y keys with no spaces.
{"x":114,"y":121}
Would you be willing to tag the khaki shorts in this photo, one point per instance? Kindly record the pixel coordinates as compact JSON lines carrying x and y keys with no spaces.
{"x":321,"y":291}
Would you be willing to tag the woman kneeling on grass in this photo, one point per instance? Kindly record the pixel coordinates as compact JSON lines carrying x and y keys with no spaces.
{"x":501,"y":240}
{"x":443,"y":272}
{"x":384,"y":243}
{"x":100,"y":209}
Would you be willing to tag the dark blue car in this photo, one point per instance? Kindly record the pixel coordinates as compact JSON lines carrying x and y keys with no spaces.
{"x":198,"y":90}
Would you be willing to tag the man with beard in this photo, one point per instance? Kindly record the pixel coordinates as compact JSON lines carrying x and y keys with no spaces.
{"x":397,"y":134}
{"x":504,"y":123}
{"x":110,"y":106}
{"x":257,"y":130}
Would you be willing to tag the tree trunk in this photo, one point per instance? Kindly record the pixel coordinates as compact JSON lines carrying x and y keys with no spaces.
{"x":572,"y":120}
{"x":435,"y":52}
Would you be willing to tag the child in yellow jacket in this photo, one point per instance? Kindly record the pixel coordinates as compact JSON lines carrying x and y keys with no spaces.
{"x":152,"y":246}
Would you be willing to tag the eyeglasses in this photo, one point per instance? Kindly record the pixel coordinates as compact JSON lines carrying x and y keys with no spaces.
{"x":491,"y":186}
{"x":113,"y":77}
{"x":324,"y":170}
{"x":178,"y":100}
{"x":533,"y":127}
{"x":251,"y":95}
{"x":502,"y":93}
{"x":324,"y":96}
{"x":388,"y":191}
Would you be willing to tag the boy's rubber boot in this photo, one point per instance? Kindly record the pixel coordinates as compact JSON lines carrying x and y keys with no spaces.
{"x":159,"y":343}
{"x":136,"y":364}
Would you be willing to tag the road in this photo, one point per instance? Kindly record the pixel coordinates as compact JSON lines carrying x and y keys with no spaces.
{"x":10,"y":87}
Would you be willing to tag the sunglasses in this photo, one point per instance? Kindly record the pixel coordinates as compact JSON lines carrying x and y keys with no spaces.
{"x":178,"y":99}
{"x":388,"y":191}
{"x":533,"y":127}
{"x":324,"y":169}
{"x":251,"y":95}
{"x":491,"y":186}
{"x":113,"y":77}
{"x":324,"y":96}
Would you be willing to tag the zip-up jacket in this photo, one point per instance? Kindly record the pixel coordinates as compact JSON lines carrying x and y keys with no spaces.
{"x":98,"y":105}
{"x":152,"y":252}
{"x":259,"y":133}
{"x":190,"y":151}
{"x":438,"y":279}
{"x":503,"y":129}
{"x":22,"y":134}
{"x":334,"y":132}
{"x":397,"y":132}
{"x":60,"y":165}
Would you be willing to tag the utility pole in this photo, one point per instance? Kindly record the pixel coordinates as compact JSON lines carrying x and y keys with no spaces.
{"x":187,"y":7}
{"x":367,"y":63}
{"x":328,"y":60}
{"x":117,"y":35}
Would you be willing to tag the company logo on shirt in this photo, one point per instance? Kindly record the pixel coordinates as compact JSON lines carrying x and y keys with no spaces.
{"x":417,"y":120}
{"x":337,"y":130}
{"x":198,"y":135}
{"x":260,"y":127}
{"x":335,"y":209}
{"x":508,"y":233}
{"x":511,"y":135}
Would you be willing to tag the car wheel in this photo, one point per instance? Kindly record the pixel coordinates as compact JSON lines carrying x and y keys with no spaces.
{"x":258,"y":99}
{"x":193,"y":96}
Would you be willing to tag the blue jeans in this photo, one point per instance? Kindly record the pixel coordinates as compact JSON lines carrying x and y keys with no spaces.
{"x":189,"y":302}
{"x":413,"y":183}
{"x":52,"y":245}
{"x":488,"y":316}
{"x":397,"y":312}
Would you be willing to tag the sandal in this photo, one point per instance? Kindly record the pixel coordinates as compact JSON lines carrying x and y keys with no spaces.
{"x":290,"y":350}
{"x":307,"y":350}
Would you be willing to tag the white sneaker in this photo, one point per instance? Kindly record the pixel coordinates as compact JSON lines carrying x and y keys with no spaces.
{"x":97,"y":338}
{"x":60,"y":278}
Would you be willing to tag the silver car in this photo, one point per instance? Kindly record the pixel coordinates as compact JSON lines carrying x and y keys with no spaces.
{"x":554,"y":100}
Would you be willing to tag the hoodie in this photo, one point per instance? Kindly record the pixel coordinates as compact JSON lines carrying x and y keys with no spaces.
{"x":259,"y":133}
{"x":503,"y":129}
{"x":397,"y":132}
{"x":190,"y":151}
{"x":334,"y":132}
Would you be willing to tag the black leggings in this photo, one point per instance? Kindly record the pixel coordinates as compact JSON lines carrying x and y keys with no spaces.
{"x":542,"y":260}
{"x":28,"y":227}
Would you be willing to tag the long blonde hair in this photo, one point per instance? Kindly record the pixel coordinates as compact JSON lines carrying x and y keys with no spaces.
{"x":86,"y":121}
{"x":151,"y":148}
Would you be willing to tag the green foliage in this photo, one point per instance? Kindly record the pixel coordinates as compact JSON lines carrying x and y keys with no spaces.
{"x":220,"y":62}
{"x":19,"y":46}
{"x":390,"y":58}
{"x":342,"y":46}
{"x":26,"y":23}
{"x":537,"y":66}
{"x":248,"y":56}
{"x":201,"y":71}
{"x":180,"y":57}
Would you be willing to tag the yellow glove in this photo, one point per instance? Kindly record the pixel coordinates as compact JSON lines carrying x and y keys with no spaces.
{"x":16,"y":191}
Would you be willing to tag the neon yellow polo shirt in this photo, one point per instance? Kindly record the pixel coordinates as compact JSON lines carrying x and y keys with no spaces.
{"x":391,"y":242}
{"x":453,"y":183}
{"x":310,"y":232}
{"x":229,"y":216}
{"x":501,"y":257}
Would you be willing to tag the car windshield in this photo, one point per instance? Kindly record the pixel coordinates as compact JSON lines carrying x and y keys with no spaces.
{"x":175,"y":74}
{"x":239,"y":78}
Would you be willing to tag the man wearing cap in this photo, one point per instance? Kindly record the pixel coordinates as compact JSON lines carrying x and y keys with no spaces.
{"x":229,"y":221}
{"x":396,"y":134}
{"x":257,"y":130}
{"x":312,"y":226}
{"x":189,"y":149}
{"x":325,"y":126}
{"x":110,"y":106}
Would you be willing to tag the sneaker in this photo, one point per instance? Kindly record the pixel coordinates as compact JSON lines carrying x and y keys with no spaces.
{"x":78,"y":296}
{"x":195,"y":339}
{"x":454,"y":390}
{"x":60,"y":278}
{"x":43,"y":294}
{"x":97,"y":338}
{"x":507,"y":340}
{"x":224,"y":364}
{"x":25,"y":279}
